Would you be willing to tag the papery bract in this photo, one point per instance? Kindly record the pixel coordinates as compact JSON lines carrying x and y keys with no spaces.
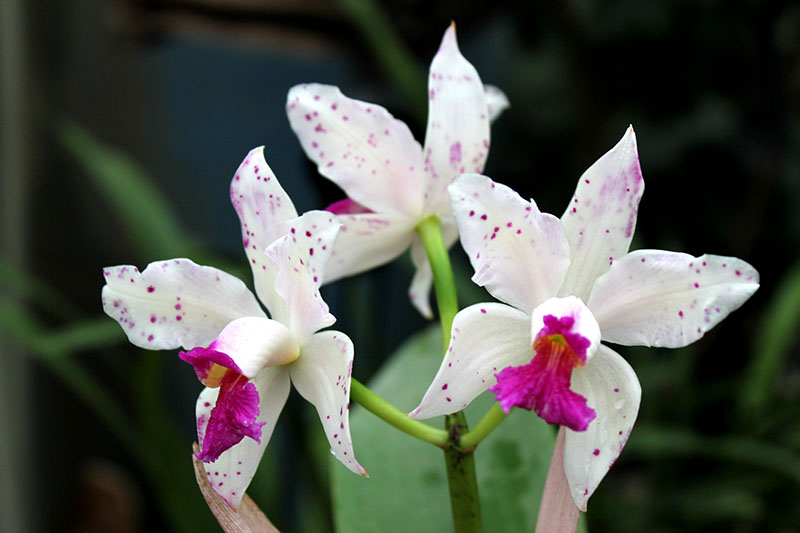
{"x":533,"y":261}
{"x":392,"y":182}
{"x":246,"y":360}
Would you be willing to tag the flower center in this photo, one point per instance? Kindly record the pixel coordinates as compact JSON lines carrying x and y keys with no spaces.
{"x":543,"y":385}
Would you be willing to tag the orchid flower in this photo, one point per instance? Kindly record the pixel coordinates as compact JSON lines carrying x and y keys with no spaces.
{"x":245,"y":359}
{"x":391,"y":182}
{"x":568,"y":284}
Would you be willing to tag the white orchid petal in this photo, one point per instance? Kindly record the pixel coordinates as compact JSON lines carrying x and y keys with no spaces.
{"x":457,"y":136}
{"x":263,"y":208}
{"x":175,"y":303}
{"x":301,"y":256}
{"x":359,"y":146}
{"x":496,"y":100}
{"x":419,"y":292}
{"x":486,"y":338}
{"x":231,"y":473}
{"x":669,"y":299}
{"x":322,"y":376}
{"x":610,"y":385}
{"x":368,"y":240}
{"x":519,"y":254}
{"x":601,"y":217}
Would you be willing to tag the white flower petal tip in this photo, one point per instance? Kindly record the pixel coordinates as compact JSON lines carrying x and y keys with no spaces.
{"x":322,"y":376}
{"x":263,"y":207}
{"x":485,"y":339}
{"x":496,"y":100}
{"x":669,"y":299}
{"x":613,"y":391}
{"x":601,"y":217}
{"x":519,"y":254}
{"x":174,"y":303}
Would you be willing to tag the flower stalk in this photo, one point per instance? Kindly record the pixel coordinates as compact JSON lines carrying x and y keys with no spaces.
{"x":395,"y":417}
{"x":460,"y":464}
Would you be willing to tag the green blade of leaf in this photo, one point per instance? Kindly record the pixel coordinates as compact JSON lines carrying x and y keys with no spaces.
{"x":140,"y":207}
{"x":772,"y":346}
{"x":407,"y":488}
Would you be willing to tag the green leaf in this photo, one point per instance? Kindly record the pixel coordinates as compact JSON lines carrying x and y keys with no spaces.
{"x":772,"y":346}
{"x":407,"y":488}
{"x":140,"y":207}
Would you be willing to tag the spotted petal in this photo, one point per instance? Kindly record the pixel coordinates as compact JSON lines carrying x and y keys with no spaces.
{"x":610,"y":385}
{"x":232,"y":472}
{"x":457,"y":137}
{"x":301,"y":256}
{"x":322,"y":376}
{"x":359,"y":146}
{"x":601,"y":216}
{"x":519,"y":254}
{"x":175,"y":303}
{"x":367,"y":240}
{"x":263,"y":208}
{"x":485,"y":339}
{"x":669,"y":299}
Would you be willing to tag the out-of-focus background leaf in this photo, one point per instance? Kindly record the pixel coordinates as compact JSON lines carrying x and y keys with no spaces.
{"x":122,"y":122}
{"x":407,"y":474}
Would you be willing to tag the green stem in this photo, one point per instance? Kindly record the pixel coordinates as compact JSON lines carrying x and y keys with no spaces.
{"x":394,"y":416}
{"x":465,"y":504}
{"x":430,"y":231}
{"x":461,"y":479}
{"x":493,"y":418}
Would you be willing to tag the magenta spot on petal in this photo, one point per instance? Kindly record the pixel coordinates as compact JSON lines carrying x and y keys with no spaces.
{"x":483,"y":217}
{"x":472,"y":213}
{"x":483,"y":310}
{"x":738,"y":272}
{"x":596,"y":452}
{"x":449,"y":399}
{"x":152,"y":319}
{"x":696,"y":285}
{"x":151,"y":289}
{"x":444,"y":387}
{"x":177,"y":307}
{"x":178,"y":318}
{"x":680,"y":314}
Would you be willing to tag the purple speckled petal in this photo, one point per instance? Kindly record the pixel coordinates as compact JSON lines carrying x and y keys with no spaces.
{"x":669,"y":299}
{"x":175,"y":303}
{"x":263,"y":208}
{"x":613,"y":391}
{"x":519,"y":254}
{"x":232,"y":472}
{"x":359,"y":146}
{"x":366,"y":241}
{"x":457,"y":136}
{"x":601,"y":217}
{"x":496,"y":100}
{"x":322,"y":376}
{"x":301,"y":257}
{"x":485,"y":339}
